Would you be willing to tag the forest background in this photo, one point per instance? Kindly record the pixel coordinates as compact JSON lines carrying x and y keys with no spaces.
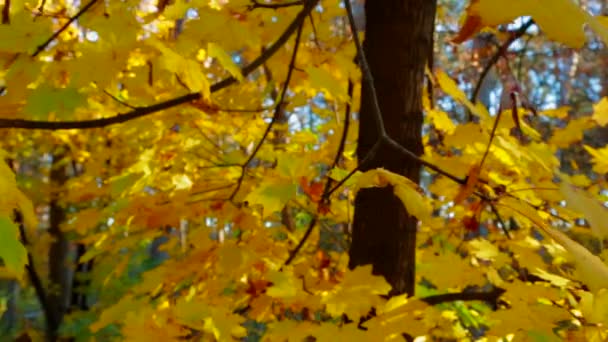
{"x":193,"y":170}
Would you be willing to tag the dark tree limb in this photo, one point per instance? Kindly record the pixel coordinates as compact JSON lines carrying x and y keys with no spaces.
{"x":257,"y":4}
{"x":490,"y":297}
{"x":34,"y":276}
{"x":6,"y":10}
{"x":143,"y":111}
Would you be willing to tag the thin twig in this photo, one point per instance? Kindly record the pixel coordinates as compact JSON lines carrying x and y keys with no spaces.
{"x":492,"y":134}
{"x":325,"y":198}
{"x":503,"y":226}
{"x":499,"y":53}
{"x":43,"y":46}
{"x":277,"y":110}
{"x":119,"y":100}
{"x":315,"y":36}
{"x":362,"y":163}
{"x":365,"y":70}
{"x":302,"y":241}
{"x":143,"y":111}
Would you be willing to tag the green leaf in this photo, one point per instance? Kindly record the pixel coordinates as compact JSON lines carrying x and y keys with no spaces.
{"x":45,"y":100}
{"x":12,"y":252}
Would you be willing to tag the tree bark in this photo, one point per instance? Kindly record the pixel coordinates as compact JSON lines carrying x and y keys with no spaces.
{"x":399,"y":36}
{"x":60,"y":271}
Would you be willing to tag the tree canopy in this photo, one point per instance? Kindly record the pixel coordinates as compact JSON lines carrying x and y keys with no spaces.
{"x":186,"y":170}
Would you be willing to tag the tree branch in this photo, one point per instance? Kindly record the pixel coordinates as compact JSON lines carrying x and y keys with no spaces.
{"x":275,"y":115}
{"x":33,"y":274}
{"x":43,"y":46}
{"x":383,"y":136}
{"x":490,"y":297}
{"x":143,"y":111}
{"x":327,"y":191}
{"x":499,"y":53}
{"x":257,"y":4}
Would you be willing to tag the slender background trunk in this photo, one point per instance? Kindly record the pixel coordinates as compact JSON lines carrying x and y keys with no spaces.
{"x":398,"y":38}
{"x":60,"y":272}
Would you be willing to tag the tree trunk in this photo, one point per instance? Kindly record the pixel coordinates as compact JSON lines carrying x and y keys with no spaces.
{"x":399,"y":36}
{"x":60,"y":271}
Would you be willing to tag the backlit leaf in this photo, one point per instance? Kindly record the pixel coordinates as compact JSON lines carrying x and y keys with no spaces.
{"x":12,"y":251}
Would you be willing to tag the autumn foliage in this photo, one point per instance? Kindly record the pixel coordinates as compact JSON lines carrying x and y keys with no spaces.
{"x":186,"y":170}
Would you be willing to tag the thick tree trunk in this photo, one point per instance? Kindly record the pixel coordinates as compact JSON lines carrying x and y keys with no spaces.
{"x":398,"y":38}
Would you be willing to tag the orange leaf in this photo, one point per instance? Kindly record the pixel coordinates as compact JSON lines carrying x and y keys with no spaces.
{"x":468,"y":189}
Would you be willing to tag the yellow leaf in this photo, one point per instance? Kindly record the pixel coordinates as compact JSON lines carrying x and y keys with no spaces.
{"x":591,"y":270}
{"x":283,"y":285}
{"x":580,"y":201}
{"x":216,"y":51}
{"x":600,"y":112}
{"x":181,"y":182}
{"x":191,"y":312}
{"x":230,"y":258}
{"x":595,"y":307}
{"x":483,"y":249}
{"x":360,"y":284}
{"x":600,"y":158}
{"x":224,"y":325}
{"x":552,"y":278}
{"x":86,"y":219}
{"x":12,"y":252}
{"x":406,"y":190}
{"x":346,"y":332}
{"x":561,"y":20}
{"x":529,"y":310}
{"x":572,"y":133}
{"x":558,"y":113}
{"x":441,"y":120}
{"x":12,"y":198}
{"x":451,"y":88}
{"x":459,"y":273}
{"x":189,"y":71}
{"x":321,"y":78}
{"x":115,"y":313}
{"x":288,"y":330}
{"x":272,"y":195}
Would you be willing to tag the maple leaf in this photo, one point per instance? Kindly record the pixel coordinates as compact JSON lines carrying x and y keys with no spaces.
{"x":404,"y":189}
{"x":272,"y":195}
{"x":358,"y":283}
{"x":482,"y":13}
{"x":595,"y":213}
{"x":12,"y":251}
